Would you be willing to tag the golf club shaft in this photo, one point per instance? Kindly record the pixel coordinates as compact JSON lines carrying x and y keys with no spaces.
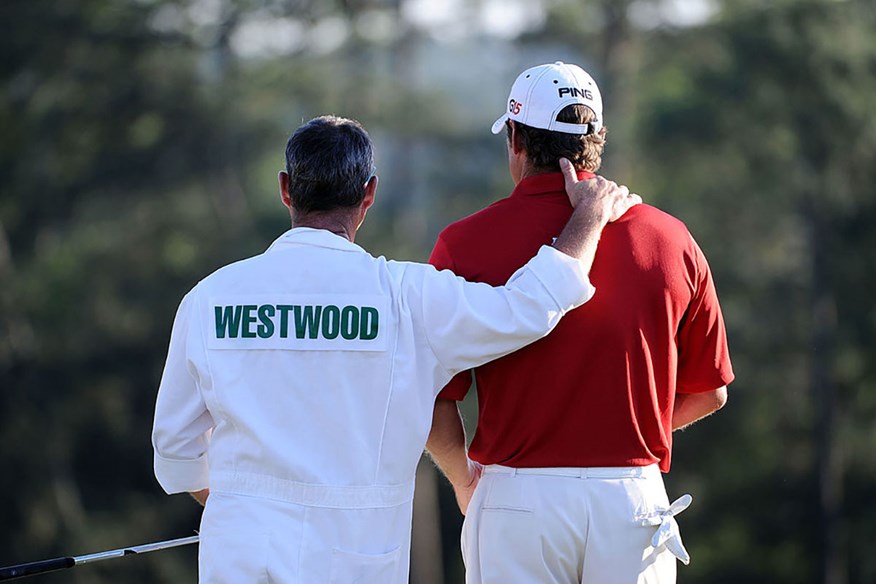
{"x":43,"y":566}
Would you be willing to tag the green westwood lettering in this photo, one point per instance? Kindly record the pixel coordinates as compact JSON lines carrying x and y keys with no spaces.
{"x":370,"y":323}
{"x":265,"y":321}
{"x":350,"y":322}
{"x":266,"y":325}
{"x":248,"y":320}
{"x":307,"y":321}
{"x":227,"y":321}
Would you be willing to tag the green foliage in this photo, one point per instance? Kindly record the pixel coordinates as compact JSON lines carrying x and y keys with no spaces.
{"x":776,"y":181}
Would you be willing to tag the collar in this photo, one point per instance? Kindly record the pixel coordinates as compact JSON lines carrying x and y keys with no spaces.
{"x":315,"y":238}
{"x":547,"y":183}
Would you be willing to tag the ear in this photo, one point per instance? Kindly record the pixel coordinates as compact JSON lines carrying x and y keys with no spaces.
{"x":283,"y":178}
{"x":370,"y":192}
{"x":514,"y":142}
{"x":367,"y":201}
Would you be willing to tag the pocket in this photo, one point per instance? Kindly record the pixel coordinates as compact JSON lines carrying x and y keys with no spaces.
{"x":356,"y":568}
{"x":507,"y":493}
{"x":646,"y":499}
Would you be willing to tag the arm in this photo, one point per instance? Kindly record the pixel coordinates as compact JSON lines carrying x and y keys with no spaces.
{"x":691,"y":407}
{"x":183,"y":425}
{"x":201,"y":496}
{"x":703,"y":358}
{"x":446,"y":446}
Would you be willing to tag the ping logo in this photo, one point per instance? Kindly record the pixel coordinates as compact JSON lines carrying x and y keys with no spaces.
{"x":514,"y":106}
{"x":575,"y":92}
{"x":283,"y":321}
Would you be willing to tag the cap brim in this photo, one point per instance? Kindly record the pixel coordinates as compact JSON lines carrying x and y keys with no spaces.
{"x":499,"y":124}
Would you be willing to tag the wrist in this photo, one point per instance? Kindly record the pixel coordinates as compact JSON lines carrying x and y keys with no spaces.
{"x":472,"y":472}
{"x":460,"y":479}
{"x":463,"y":474}
{"x":596,"y":215}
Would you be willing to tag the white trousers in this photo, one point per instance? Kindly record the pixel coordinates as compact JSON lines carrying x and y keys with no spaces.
{"x":252,"y":540}
{"x":572,"y":526}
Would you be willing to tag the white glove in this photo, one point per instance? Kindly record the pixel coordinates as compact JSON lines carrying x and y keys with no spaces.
{"x":668,"y":532}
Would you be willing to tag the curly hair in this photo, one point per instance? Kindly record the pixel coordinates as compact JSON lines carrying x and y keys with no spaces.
{"x":544,"y":148}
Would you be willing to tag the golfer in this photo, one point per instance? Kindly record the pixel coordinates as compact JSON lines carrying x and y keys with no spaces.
{"x":299,"y":383}
{"x":575,"y":430}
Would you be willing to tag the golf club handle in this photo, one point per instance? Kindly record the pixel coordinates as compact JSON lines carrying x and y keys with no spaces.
{"x":30,"y":568}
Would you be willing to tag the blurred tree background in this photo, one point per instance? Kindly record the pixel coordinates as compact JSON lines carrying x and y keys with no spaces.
{"x":139,"y":145}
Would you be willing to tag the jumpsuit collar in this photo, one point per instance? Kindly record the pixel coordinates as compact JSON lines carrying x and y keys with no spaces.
{"x":313,"y":237}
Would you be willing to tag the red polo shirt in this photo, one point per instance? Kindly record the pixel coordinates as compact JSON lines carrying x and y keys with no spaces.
{"x":599,"y":390}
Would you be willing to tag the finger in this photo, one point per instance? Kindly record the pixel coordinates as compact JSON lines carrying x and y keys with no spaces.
{"x":569,"y":174}
{"x":621,"y":206}
{"x":612,"y":186}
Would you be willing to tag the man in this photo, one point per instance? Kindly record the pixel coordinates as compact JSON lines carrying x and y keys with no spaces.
{"x":299,"y":384}
{"x":574,"y":430}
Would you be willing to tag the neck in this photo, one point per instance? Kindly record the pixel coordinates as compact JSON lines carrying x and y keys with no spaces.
{"x":333,"y":222}
{"x":529,"y":170}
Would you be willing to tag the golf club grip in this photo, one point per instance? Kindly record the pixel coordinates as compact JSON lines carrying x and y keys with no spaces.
{"x":22,"y":570}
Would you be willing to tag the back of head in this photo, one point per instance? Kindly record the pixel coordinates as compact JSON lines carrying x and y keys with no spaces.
{"x":557,"y":110}
{"x":328,"y":160}
{"x":544,"y":148}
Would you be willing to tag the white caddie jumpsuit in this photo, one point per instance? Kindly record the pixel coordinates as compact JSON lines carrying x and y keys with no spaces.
{"x":299,"y":387}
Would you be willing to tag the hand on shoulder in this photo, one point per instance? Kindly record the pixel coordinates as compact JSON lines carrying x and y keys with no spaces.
{"x":604,"y":196}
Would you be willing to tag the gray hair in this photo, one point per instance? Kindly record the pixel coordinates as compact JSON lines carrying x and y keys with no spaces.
{"x":329,"y":160}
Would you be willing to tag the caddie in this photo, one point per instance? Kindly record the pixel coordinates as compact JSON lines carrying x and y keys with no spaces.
{"x":299,"y":383}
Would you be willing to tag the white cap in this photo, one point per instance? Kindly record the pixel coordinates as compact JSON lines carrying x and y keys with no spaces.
{"x":540,"y":93}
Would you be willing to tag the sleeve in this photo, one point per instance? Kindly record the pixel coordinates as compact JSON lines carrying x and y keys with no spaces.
{"x":182,"y":426}
{"x":458,"y":387}
{"x":467,"y":324}
{"x":703,"y":352}
{"x":441,"y":257}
